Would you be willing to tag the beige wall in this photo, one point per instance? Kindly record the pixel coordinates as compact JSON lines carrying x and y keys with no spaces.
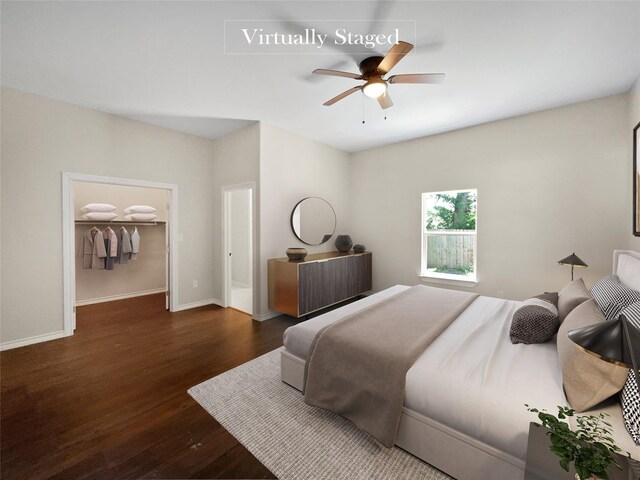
{"x":40,"y":139}
{"x":292,"y":168}
{"x":634,"y":119}
{"x":549,"y":183}
{"x":145,"y":274}
{"x":236,"y":160}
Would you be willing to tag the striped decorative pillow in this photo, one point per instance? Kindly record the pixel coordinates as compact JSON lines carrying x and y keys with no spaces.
{"x":630,"y":396}
{"x":612,"y":296}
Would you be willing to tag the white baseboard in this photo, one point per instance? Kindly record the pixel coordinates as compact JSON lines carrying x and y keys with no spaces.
{"x":123,"y":296}
{"x":200,"y":303}
{"x":23,"y":342}
{"x":261,"y":317}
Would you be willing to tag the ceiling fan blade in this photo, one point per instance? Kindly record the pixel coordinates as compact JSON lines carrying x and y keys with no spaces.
{"x":341,"y":96}
{"x":337,"y":73}
{"x":397,"y":53}
{"x":385,"y":101}
{"x":417,"y":78}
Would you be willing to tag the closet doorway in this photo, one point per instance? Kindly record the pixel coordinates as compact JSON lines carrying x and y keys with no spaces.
{"x":140,"y":220}
{"x":238,"y":251}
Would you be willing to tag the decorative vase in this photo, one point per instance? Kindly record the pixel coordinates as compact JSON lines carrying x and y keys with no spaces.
{"x":592,"y":477}
{"x":296,"y":254}
{"x":343,"y":243}
{"x":359,"y":248}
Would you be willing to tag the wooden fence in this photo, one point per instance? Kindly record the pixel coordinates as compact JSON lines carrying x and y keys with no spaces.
{"x":450,"y":249}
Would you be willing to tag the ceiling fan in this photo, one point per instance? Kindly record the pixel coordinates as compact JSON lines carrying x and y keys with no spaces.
{"x":372,"y":71}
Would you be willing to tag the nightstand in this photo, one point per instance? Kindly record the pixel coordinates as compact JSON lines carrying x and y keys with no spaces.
{"x":544,"y":465}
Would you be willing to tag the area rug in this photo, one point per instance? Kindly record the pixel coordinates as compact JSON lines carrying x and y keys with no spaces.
{"x":295,"y":440}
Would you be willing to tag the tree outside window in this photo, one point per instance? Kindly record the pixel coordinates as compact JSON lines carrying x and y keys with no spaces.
{"x":449,"y":234}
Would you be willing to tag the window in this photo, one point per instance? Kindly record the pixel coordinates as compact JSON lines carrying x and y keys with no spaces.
{"x":449,"y":240}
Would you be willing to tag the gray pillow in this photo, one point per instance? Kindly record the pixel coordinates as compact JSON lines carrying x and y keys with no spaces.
{"x":536,"y":321}
{"x":571,"y":296}
{"x":587,"y":379}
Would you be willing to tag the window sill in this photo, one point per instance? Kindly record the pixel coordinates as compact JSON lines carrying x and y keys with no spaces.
{"x":453,"y":280}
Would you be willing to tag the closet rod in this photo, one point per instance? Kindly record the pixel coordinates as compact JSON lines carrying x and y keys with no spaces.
{"x":91,"y":222}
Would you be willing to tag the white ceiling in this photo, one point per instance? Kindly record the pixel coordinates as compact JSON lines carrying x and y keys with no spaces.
{"x":164,"y":63}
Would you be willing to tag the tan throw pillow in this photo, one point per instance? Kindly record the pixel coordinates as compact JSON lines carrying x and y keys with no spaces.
{"x":571,"y":296}
{"x":587,"y":379}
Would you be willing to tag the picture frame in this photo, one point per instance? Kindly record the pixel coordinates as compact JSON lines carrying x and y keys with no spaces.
{"x":636,"y":180}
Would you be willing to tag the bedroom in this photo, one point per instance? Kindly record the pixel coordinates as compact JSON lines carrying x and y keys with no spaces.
{"x":115,"y":90}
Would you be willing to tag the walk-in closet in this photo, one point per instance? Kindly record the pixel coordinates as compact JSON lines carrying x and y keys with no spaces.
{"x":121,"y":240}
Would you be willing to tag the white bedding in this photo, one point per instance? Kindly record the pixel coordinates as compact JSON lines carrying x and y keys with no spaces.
{"x":474,"y":380}
{"x":460,"y":380}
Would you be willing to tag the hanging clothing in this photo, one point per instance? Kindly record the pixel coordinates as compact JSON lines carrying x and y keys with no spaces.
{"x":111,"y":247}
{"x":92,"y":250}
{"x":124,"y":246}
{"x":135,"y":244}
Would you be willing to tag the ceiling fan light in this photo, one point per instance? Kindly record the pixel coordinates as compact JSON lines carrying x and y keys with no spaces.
{"x":374,"y":88}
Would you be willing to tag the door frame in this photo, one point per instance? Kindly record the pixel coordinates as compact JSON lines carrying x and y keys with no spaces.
{"x":226,"y":271}
{"x":69,"y":238}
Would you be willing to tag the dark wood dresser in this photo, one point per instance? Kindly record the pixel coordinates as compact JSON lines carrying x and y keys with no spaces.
{"x":321,"y":280}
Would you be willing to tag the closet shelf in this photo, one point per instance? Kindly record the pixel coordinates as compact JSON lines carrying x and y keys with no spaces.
{"x":118,"y":222}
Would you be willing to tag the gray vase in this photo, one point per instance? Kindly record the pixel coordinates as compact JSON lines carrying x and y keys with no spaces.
{"x":359,"y":249}
{"x":296,"y":254}
{"x":343,"y":243}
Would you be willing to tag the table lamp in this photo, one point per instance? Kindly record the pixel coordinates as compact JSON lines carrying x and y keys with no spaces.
{"x":574,"y":261}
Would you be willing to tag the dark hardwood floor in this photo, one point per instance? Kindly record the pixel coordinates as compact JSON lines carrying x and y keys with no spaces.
{"x":111,"y":401}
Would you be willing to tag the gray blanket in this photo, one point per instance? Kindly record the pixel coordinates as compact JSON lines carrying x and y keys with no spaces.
{"x":357,"y":366}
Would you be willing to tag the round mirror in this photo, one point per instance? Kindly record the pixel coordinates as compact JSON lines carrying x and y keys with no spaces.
{"x":313,"y":220}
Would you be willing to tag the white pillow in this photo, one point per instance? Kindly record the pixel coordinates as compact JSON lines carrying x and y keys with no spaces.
{"x":139,"y":209}
{"x":629,"y":271}
{"x":141,"y":217}
{"x":98,"y":207}
{"x":100,"y":216}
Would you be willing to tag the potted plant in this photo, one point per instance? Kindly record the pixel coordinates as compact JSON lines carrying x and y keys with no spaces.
{"x":590,"y":447}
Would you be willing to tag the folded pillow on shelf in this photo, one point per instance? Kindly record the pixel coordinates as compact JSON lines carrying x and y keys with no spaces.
{"x":98,"y":207}
{"x":587,"y":379}
{"x":536,"y":321}
{"x":139,"y":209}
{"x":572,"y":295}
{"x":612,"y":296}
{"x":141,"y":217}
{"x":100,"y":216}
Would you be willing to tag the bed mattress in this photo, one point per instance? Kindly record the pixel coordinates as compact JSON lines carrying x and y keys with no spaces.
{"x":461,"y":379}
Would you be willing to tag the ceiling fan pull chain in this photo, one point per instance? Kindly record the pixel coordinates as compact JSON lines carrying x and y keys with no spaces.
{"x":363,"y":122}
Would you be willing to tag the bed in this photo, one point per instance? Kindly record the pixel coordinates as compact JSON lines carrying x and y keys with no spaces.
{"x":466,"y":392}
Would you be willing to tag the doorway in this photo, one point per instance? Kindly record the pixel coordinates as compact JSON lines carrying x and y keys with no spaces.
{"x":70,"y":247}
{"x":238,"y":252}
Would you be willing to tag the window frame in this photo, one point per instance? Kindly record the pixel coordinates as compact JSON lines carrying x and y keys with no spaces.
{"x":447,"y":278}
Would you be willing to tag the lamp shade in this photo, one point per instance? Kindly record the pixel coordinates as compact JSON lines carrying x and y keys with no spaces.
{"x":572,"y":260}
{"x":614,"y":341}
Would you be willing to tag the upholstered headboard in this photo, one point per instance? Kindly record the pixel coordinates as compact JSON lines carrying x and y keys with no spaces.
{"x":626,"y":264}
